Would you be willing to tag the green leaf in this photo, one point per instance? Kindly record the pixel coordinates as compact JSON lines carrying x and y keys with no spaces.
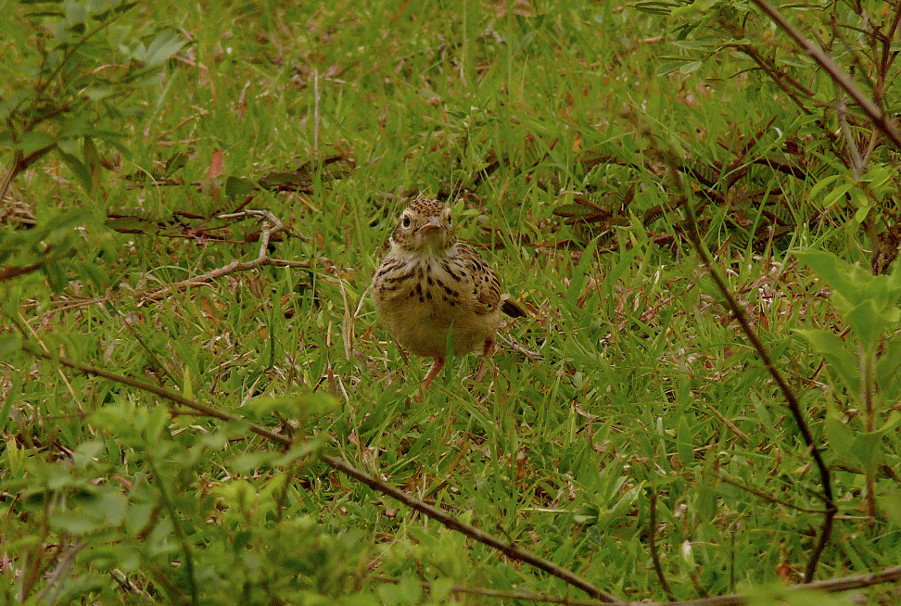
{"x":841,"y":439}
{"x":82,"y":173}
{"x":162,"y":48}
{"x":817,"y":190}
{"x":238,"y":187}
{"x":259,"y":408}
{"x":92,"y":163}
{"x":86,"y":453}
{"x":685,"y":442}
{"x":868,"y":323}
{"x":33,"y":141}
{"x":867,"y":449}
{"x":842,"y":361}
{"x":837,"y":193}
{"x":890,"y":503}
{"x":10,"y":343}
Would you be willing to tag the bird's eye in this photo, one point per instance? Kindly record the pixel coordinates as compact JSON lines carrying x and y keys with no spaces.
{"x":406,"y":221}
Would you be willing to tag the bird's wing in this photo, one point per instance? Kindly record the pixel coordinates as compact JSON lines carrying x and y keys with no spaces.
{"x":483,"y":285}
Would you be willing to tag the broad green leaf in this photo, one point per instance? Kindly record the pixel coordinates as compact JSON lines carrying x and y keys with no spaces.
{"x":837,"y":193}
{"x":890,"y":503}
{"x":835,"y":272}
{"x":841,"y":440}
{"x":859,"y":198}
{"x":86,"y":452}
{"x":852,"y":285}
{"x":238,"y":187}
{"x":33,"y":141}
{"x":867,"y":449}
{"x":868,"y":323}
{"x":817,"y":190}
{"x":76,"y":12}
{"x":162,"y":48}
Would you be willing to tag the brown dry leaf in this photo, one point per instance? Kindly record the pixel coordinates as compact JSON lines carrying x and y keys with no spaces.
{"x":216,"y":165}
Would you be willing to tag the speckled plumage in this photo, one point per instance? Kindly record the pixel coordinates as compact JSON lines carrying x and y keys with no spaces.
{"x":430,"y":284}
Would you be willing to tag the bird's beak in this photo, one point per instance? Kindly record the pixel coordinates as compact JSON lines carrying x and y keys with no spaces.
{"x":434,"y":223}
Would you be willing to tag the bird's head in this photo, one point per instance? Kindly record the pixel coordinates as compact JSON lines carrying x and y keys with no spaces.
{"x":425,"y":226}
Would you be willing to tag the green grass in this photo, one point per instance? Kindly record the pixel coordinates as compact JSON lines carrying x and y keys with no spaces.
{"x":644,"y":382}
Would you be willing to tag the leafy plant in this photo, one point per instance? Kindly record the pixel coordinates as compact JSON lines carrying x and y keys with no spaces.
{"x":863,"y":368}
{"x":830,"y":130}
{"x":68,"y":76}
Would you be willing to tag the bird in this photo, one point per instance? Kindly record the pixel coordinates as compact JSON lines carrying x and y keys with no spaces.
{"x":434,"y":292}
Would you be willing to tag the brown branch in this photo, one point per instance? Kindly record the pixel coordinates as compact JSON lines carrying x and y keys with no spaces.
{"x":769,"y":497}
{"x":14,"y":272}
{"x":271,"y":226}
{"x":514,"y":552}
{"x":778,"y":77}
{"x":890,"y":575}
{"x":793,"y":404}
{"x":652,"y":545}
{"x":858,"y":581}
{"x":873,"y":111}
{"x":692,"y":232}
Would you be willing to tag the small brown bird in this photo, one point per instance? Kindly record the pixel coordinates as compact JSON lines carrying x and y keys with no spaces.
{"x":430,"y":285}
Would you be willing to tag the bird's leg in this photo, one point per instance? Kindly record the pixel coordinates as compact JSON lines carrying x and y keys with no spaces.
{"x":437,"y":365}
{"x":486,"y":355}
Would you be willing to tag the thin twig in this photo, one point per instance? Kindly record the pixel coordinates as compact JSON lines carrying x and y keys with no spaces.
{"x":858,"y":581}
{"x":728,"y":423}
{"x":60,"y":573}
{"x":271,"y":226}
{"x":514,"y":552}
{"x":694,"y":236}
{"x":769,"y":497}
{"x":652,"y":545}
